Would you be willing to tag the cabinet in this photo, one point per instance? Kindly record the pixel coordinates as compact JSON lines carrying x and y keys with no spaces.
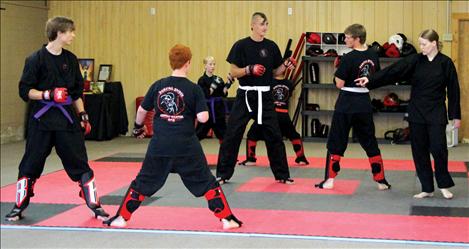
{"x":325,"y":95}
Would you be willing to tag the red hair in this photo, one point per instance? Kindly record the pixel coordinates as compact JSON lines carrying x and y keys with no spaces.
{"x":179,"y":55}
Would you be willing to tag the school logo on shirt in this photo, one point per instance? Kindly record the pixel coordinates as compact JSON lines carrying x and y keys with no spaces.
{"x":281,"y":94}
{"x":366,"y":68}
{"x":263,"y":53}
{"x":171,"y":104}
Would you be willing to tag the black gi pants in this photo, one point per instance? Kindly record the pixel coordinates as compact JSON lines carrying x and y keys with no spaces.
{"x":363,"y":127}
{"x":286,"y":128}
{"x":218,"y":127}
{"x":69,"y":145}
{"x":239,"y":117}
{"x":426,"y":139}
{"x":193,"y":170}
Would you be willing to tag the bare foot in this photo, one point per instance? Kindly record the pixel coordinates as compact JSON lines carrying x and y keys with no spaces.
{"x":423,"y":195}
{"x":229,"y":224}
{"x":446,"y":193}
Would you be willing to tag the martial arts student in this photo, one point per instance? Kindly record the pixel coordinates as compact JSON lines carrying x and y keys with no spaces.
{"x":255,"y":60}
{"x":52,"y":83}
{"x":433,"y":77}
{"x":281,"y":92}
{"x":215,"y":91}
{"x":174,"y":146}
{"x":353,"y":109}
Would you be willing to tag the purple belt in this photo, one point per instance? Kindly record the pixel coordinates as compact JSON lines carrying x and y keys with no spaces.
{"x":49,"y":104}
{"x":212,"y":101}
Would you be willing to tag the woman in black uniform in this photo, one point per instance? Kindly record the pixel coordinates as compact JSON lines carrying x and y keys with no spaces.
{"x":215,"y":91}
{"x":432,"y":75}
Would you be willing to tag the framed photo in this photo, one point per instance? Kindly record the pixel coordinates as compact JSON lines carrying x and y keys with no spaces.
{"x":87,"y":69}
{"x":105,"y":72}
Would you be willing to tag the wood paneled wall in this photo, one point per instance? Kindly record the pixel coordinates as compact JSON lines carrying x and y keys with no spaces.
{"x":22,"y":32}
{"x":125,"y":34}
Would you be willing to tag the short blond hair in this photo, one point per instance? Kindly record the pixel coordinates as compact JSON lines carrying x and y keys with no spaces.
{"x":208,"y":58}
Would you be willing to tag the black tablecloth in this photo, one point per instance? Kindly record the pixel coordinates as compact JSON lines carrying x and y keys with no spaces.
{"x":107,"y":112}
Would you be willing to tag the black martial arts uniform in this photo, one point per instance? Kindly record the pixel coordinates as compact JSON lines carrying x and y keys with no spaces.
{"x":174,"y":148}
{"x":431,"y":82}
{"x":217,"y":107}
{"x":281,"y":92}
{"x":52,"y":124}
{"x":254,"y":101}
{"x":353,"y":109}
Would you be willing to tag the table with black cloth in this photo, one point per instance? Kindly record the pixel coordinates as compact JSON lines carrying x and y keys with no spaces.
{"x":107,"y":112}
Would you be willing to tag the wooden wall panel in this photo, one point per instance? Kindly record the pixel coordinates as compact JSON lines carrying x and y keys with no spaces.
{"x":123,"y":33}
{"x":22,"y":32}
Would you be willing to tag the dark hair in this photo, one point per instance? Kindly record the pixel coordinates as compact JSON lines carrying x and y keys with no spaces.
{"x":432,"y":35}
{"x":356,"y":31}
{"x":56,"y":24}
{"x":259,"y":14}
{"x":179,"y":55}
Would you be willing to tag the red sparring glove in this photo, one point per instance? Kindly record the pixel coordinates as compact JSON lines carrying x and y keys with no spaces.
{"x":85,"y":123}
{"x":139,"y":130}
{"x":255,"y":70}
{"x":290,"y":63}
{"x":58,"y":94}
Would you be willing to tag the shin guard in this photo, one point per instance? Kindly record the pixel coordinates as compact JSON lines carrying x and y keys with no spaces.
{"x":88,"y":190}
{"x":131,"y":202}
{"x":218,"y":204}
{"x":298,"y":147}
{"x":89,"y":194}
{"x":251,"y":148}
{"x":377,"y":168}
{"x":24,"y":192}
{"x":332,"y":165}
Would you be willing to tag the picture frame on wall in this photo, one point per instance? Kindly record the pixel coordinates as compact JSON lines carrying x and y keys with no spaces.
{"x":87,"y":69}
{"x":105,"y":72}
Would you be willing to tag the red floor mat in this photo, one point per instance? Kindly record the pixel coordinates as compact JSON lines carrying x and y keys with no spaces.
{"x":351,"y":225}
{"x":347,"y":163}
{"x":56,"y":187}
{"x":301,"y":186}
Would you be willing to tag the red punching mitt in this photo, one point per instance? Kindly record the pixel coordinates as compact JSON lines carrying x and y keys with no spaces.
{"x":393,"y":51}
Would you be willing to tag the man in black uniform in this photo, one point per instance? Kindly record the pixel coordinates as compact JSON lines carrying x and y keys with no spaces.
{"x":255,"y":60}
{"x":174,"y":146}
{"x":53,"y":84}
{"x":215,"y":91}
{"x":431,"y":75}
{"x":281,"y":91}
{"x":353,"y":109}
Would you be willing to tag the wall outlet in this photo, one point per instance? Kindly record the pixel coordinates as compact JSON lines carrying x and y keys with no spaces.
{"x":447,"y":37}
{"x":152,"y":11}
{"x":290,"y":11}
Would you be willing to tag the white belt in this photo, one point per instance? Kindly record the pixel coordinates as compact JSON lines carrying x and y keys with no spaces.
{"x":355,"y":89}
{"x":259,"y":90}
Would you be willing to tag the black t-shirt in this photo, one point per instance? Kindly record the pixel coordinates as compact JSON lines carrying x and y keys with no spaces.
{"x":353,"y":65}
{"x":248,"y":52}
{"x":176,"y":101}
{"x":356,"y":64}
{"x":281,"y":92}
{"x":45,"y":71}
{"x":205,"y":82}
